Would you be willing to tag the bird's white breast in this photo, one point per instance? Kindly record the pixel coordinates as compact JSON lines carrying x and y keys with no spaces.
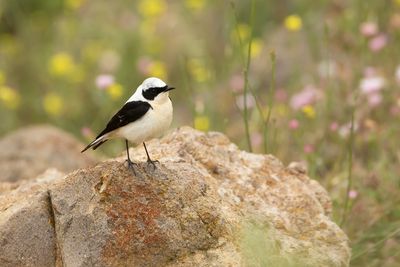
{"x":153,"y":124}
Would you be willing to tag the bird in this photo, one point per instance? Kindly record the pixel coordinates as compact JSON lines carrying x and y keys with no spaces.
{"x":146,"y":115}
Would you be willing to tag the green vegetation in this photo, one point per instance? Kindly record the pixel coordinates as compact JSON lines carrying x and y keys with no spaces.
{"x":313,"y":68}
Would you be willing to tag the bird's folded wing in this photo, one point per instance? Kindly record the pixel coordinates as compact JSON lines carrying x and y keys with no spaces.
{"x":130,"y":112}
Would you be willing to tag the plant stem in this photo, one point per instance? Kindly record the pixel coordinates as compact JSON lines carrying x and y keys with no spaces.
{"x":270,"y":100}
{"x":349,"y":170}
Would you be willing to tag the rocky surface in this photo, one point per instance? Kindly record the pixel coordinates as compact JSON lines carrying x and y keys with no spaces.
{"x":28,"y":152}
{"x":207,"y":203}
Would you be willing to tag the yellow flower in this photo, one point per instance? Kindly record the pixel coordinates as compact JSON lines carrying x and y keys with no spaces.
{"x":397,"y":2}
{"x":309,"y":111}
{"x":195,"y":5}
{"x":74,"y":4}
{"x":61,"y":64}
{"x":2,"y":78}
{"x":256,"y":47}
{"x":201,"y":123}
{"x":9,"y":97}
{"x":158,"y":69}
{"x":53,"y":104}
{"x":244,"y":31}
{"x":152,"y":8}
{"x":293,"y":23}
{"x":199,"y":72}
{"x":115,"y":91}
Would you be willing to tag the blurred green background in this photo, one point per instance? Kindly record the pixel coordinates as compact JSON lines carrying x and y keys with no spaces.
{"x":73,"y":63}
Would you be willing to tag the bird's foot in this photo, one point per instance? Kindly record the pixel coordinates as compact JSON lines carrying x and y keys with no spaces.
{"x":152,"y":162}
{"x":131,"y":166}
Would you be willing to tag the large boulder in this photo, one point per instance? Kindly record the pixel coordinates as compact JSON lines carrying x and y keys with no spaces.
{"x":26,"y":153}
{"x":207,"y":203}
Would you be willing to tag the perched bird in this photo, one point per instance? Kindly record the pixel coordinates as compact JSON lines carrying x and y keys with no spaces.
{"x":146,"y":115}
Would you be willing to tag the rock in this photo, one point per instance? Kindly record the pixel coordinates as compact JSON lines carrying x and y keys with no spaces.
{"x":206,"y":204}
{"x":27,"y":236}
{"x":26,"y":153}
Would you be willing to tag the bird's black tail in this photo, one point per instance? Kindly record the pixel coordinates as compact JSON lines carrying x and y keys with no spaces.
{"x":95,"y":144}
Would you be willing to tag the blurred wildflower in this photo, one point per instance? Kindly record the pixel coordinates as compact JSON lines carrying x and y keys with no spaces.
{"x":152,"y":8}
{"x":10,"y":97}
{"x":395,"y":20}
{"x":195,"y":5}
{"x":115,"y":91}
{"x":334,"y":126}
{"x":244,"y":31}
{"x":293,"y":23}
{"x":256,"y":47}
{"x":378,"y":42}
{"x":281,"y":109}
{"x":201,"y":123}
{"x":104,"y":80}
{"x":372,"y":82}
{"x":353,"y":194}
{"x":308,"y":148}
{"x":327,"y":69}
{"x":236,"y":83}
{"x":374,"y":99}
{"x":53,"y":104}
{"x":250,"y":101}
{"x":61,"y":64}
{"x":74,"y":4}
{"x":294,"y":124}
{"x":198,"y":70}
{"x":109,"y":61}
{"x":309,"y":95}
{"x":309,"y":111}
{"x":158,"y":69}
{"x":344,"y":130}
{"x":91,"y":51}
{"x":370,"y":124}
{"x":368,"y":28}
{"x":2,"y":78}
{"x":256,"y":139}
{"x":143,"y":65}
{"x":397,"y":2}
{"x":397,"y":74}
{"x":395,"y":110}
{"x":281,"y":95}
{"x":87,"y":132}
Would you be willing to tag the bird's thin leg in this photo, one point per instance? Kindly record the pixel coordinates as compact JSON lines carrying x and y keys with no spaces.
{"x":148,"y":157}
{"x":130,"y":163}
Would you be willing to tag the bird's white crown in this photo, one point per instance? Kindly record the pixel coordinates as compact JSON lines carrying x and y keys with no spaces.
{"x":152,"y":82}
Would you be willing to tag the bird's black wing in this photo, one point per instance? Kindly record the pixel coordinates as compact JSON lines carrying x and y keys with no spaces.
{"x":130,"y":112}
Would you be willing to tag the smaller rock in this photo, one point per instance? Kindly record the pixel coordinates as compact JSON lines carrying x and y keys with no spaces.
{"x":26,"y":153}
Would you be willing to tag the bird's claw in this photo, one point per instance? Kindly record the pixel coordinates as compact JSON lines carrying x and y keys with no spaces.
{"x":152,"y":162}
{"x":131,"y":166}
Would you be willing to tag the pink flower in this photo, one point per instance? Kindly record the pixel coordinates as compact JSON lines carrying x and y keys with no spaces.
{"x":378,"y":42}
{"x":104,"y":80}
{"x":308,"y":148}
{"x":86,"y":132}
{"x":372,"y":83}
{"x":236,"y":83}
{"x":250,"y":102}
{"x":307,"y":96}
{"x":294,"y":124}
{"x":256,"y":139}
{"x":344,"y":130}
{"x":395,"y":110}
{"x":353,"y":194}
{"x":374,"y":99}
{"x":334,"y":126}
{"x":368,"y":28}
{"x":143,"y":65}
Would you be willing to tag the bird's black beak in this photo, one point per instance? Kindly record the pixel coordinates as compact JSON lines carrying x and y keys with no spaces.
{"x":169,"y":89}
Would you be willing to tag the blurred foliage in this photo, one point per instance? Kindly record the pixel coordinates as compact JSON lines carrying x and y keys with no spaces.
{"x":73,"y":63}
